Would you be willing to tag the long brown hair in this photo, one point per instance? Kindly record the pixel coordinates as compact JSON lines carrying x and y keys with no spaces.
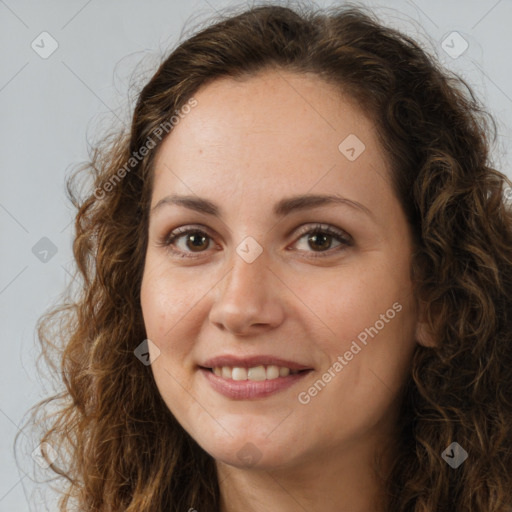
{"x":119,"y":446}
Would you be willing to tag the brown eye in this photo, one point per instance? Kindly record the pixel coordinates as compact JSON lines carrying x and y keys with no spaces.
{"x":321,"y":240}
{"x":196,"y":241}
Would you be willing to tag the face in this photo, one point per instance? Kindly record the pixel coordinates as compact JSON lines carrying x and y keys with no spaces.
{"x":282,"y":329}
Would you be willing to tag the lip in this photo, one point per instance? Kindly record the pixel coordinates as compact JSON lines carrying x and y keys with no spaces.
{"x":250,"y":390}
{"x":250,"y":361}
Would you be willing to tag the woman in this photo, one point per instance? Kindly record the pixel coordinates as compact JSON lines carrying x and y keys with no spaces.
{"x":297,"y":284}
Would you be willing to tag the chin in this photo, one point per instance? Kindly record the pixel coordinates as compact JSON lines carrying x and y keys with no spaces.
{"x":252,"y":451}
{"x":249,"y":456}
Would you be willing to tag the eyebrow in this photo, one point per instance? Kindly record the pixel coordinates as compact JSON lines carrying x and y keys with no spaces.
{"x":281,"y":208}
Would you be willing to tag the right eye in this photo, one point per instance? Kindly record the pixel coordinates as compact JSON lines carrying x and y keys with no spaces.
{"x":195,"y":241}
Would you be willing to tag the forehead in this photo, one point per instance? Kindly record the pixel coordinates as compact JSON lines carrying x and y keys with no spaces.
{"x":274,"y":130}
{"x":276,"y":107}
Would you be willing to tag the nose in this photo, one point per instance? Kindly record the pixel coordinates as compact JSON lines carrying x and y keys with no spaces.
{"x":249,"y":299}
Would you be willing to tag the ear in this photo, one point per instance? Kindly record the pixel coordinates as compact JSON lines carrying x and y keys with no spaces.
{"x":423,"y":334}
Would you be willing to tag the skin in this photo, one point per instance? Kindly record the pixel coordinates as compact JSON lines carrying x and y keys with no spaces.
{"x":248,"y":144}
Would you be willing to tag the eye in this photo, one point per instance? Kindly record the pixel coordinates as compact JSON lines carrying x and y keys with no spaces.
{"x":320,"y":239}
{"x":197,"y":240}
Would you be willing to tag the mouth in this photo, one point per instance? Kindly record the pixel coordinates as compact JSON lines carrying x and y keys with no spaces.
{"x":252,"y":378}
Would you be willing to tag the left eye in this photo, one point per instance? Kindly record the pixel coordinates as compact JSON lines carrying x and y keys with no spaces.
{"x":197,"y":240}
{"x":322,"y":238}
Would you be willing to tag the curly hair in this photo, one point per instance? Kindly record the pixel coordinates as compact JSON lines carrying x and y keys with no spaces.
{"x":120,"y":447}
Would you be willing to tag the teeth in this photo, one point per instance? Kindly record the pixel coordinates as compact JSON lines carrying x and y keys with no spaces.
{"x":272,"y":372}
{"x":238,"y":373}
{"x":255,"y":373}
{"x":284,"y":372}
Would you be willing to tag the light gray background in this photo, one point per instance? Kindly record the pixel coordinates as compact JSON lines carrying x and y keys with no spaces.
{"x":49,"y":106}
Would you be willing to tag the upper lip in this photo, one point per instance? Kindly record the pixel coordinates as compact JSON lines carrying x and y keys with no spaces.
{"x":251,"y":361}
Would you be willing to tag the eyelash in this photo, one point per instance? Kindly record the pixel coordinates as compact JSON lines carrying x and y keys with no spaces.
{"x":338,"y":235}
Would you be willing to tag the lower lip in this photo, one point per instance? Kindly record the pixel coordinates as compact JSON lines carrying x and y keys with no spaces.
{"x":251,"y":389}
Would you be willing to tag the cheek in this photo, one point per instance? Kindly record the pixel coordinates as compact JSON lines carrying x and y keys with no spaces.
{"x":165,"y":295}
{"x":358,"y":391}
{"x":162,"y":304}
{"x":377,"y":350}
{"x":172,"y":302}
{"x":165,"y":309}
{"x":350,"y":301}
{"x":371,"y":324}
